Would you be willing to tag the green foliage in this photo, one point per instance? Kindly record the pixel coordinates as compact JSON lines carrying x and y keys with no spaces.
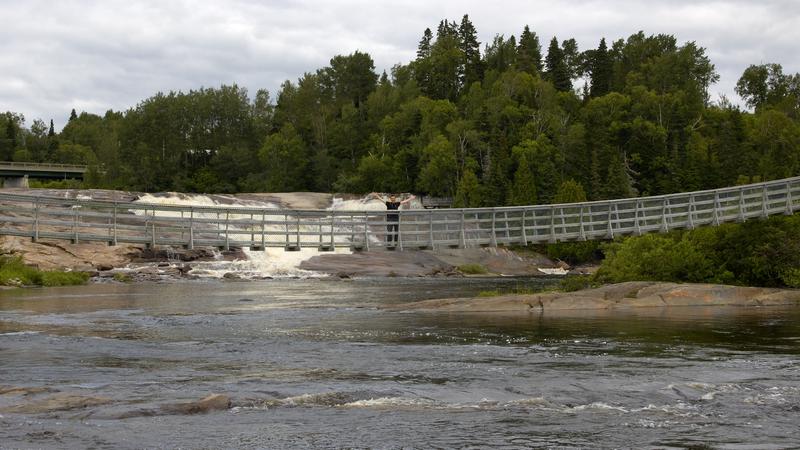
{"x":570,"y":191}
{"x":473,"y":269}
{"x":572,"y":283}
{"x":122,"y":277}
{"x":523,"y":189}
{"x":575,"y":253}
{"x":56,"y":184}
{"x":14,"y":272}
{"x":64,"y":278}
{"x":454,"y":121}
{"x":658,"y":258}
{"x":468,"y":193}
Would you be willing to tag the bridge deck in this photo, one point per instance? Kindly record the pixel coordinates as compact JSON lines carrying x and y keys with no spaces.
{"x":224,"y":226}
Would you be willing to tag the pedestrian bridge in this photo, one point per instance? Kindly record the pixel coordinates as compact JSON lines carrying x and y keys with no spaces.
{"x":257,"y":228}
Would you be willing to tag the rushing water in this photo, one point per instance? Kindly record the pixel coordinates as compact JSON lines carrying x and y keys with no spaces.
{"x":314,"y":363}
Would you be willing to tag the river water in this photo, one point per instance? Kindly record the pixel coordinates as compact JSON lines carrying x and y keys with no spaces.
{"x":317,"y":363}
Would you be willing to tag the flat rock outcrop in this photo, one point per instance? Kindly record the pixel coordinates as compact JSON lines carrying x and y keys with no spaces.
{"x":617,"y":297}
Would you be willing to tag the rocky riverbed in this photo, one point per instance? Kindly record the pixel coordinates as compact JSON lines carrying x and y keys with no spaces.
{"x":622,"y":296}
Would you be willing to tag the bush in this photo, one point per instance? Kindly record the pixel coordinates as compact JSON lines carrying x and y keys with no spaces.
{"x":64,"y":278}
{"x":122,"y":277}
{"x":14,"y":272}
{"x":574,"y":253}
{"x":574,"y":283}
{"x":472,"y":269}
{"x":654,"y":257}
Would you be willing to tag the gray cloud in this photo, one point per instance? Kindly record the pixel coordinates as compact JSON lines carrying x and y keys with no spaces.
{"x":99,"y":55}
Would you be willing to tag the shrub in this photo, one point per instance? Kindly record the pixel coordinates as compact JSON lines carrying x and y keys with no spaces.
{"x":472,"y":269}
{"x":574,"y":283}
{"x":64,"y":278}
{"x":122,"y":277}
{"x":659,"y":258}
{"x":14,"y":272}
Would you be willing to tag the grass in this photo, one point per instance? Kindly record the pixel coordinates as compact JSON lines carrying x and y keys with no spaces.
{"x":473,"y":269}
{"x":568,"y":284}
{"x":14,"y":272}
{"x":122,"y":277}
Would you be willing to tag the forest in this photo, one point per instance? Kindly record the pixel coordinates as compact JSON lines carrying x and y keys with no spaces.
{"x":520,"y":120}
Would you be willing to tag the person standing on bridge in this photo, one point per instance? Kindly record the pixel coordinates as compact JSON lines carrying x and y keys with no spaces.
{"x":392,"y":220}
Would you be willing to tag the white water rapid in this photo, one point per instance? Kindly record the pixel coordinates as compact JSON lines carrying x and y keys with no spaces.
{"x":271,"y":262}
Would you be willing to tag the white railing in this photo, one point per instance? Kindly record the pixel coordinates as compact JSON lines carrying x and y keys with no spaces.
{"x":225,"y":227}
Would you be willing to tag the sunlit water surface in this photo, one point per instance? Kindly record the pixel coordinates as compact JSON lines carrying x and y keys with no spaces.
{"x":314,"y":363}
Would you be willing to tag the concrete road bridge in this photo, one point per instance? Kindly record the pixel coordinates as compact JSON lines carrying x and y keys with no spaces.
{"x":16,"y":174}
{"x":79,"y":220}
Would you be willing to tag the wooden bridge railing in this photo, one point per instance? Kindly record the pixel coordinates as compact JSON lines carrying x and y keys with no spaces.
{"x":257,"y":228}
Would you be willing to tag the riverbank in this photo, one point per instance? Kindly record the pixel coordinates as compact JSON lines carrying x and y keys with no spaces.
{"x":620,"y":296}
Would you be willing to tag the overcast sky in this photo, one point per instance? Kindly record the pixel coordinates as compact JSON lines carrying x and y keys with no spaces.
{"x":110,"y":54}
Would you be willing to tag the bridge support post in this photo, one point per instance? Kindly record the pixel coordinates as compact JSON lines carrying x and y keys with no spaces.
{"x":399,"y":236}
{"x":494,"y":230}
{"x":742,"y":216}
{"x":664,"y":222}
{"x":191,"y":229}
{"x":552,"y":238}
{"x":764,"y":201}
{"x":581,"y":231}
{"x":227,"y":235}
{"x":717,"y":207}
{"x":430,"y":229}
{"x":114,"y":226}
{"x":789,"y":202}
{"x":463,"y":231}
{"x":263,"y":232}
{"x":690,"y":213}
{"x":75,"y":219}
{"x":637,"y":227}
{"x":524,"y":233}
{"x":36,"y":221}
{"x":610,"y":233}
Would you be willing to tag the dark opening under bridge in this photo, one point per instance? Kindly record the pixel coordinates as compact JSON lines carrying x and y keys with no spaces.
{"x":257,"y":228}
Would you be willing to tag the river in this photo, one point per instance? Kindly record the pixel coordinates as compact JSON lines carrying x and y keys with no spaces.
{"x":318,"y":363}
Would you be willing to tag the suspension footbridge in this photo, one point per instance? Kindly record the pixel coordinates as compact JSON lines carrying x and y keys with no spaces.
{"x":84,"y":220}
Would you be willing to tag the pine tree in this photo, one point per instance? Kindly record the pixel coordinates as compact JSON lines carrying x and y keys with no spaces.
{"x":570,"y":191}
{"x":618,"y":183}
{"x":51,"y":132}
{"x":529,"y":52}
{"x":73,"y":115}
{"x":424,"y":47}
{"x":557,"y":70}
{"x":601,"y":67}
{"x":523,"y":190}
{"x":468,"y":191}
{"x":472,"y":69}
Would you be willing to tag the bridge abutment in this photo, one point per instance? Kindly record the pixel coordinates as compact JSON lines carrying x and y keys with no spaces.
{"x":16,"y":182}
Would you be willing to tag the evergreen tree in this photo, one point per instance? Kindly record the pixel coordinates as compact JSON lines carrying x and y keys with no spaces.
{"x":51,"y":132}
{"x":570,"y":191}
{"x":472,"y":69}
{"x":424,"y":47}
{"x":617,"y":183}
{"x":523,"y":190}
{"x":468,"y":191}
{"x":529,"y":52}
{"x":73,"y":115}
{"x":556,"y":66}
{"x":601,"y":67}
